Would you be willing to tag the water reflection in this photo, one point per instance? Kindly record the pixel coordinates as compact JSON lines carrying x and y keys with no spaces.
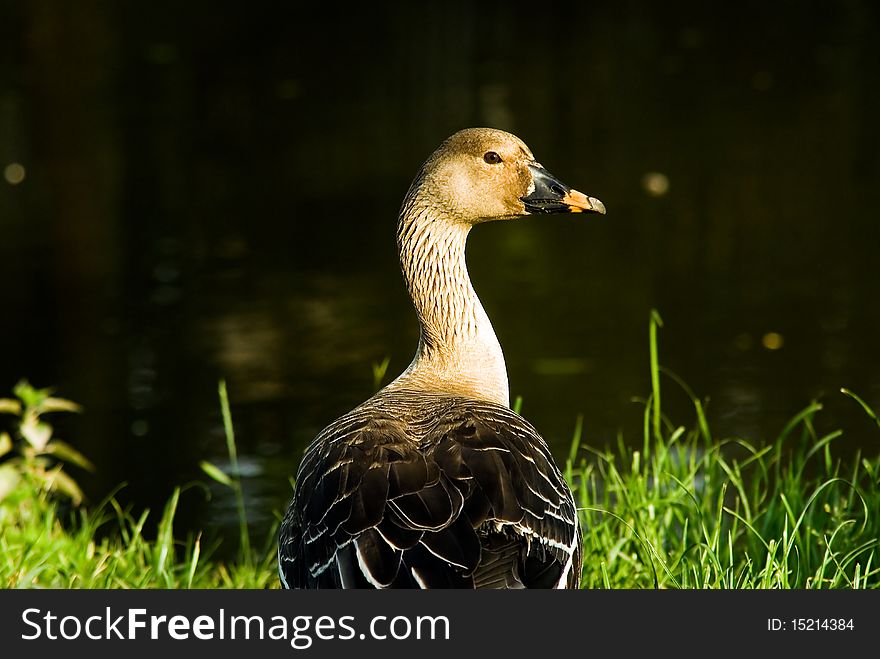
{"x":217,"y":197}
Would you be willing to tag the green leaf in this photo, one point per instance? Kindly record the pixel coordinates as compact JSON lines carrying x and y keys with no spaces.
{"x":9,"y":478}
{"x":58,"y":481}
{"x":870,"y":412}
{"x":29,"y":396}
{"x":59,"y":405}
{"x":5,"y":443}
{"x":165,"y":539}
{"x":66,"y":452}
{"x":10,"y":406}
{"x":194,"y":562}
{"x":216,"y":473}
{"x":379,"y":370}
{"x":37,"y":433}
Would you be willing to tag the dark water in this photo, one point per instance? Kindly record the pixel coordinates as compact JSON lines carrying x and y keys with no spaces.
{"x":211,"y":191}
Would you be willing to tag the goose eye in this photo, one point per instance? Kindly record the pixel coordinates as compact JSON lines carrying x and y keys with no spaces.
{"x":491,"y":157}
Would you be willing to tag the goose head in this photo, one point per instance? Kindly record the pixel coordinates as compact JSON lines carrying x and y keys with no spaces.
{"x":483,"y":174}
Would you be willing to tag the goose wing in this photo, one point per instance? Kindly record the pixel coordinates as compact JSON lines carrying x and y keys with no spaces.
{"x":472,"y":500}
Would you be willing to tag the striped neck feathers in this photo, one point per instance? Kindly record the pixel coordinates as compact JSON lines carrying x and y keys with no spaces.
{"x":458,"y":352}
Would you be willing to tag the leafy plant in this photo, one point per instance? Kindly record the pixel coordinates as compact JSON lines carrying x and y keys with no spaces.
{"x":32,"y":451}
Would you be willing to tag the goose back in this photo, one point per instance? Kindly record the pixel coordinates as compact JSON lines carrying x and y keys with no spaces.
{"x":414,"y":489}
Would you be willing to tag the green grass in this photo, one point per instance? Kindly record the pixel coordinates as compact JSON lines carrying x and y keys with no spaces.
{"x":111,"y":547}
{"x":683,"y":510}
{"x":107,"y":548}
{"x":687,"y":510}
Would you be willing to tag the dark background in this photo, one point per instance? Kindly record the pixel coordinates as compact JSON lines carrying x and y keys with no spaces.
{"x":211,"y":191}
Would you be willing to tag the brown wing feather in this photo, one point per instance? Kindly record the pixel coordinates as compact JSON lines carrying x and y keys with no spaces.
{"x":459,"y":493}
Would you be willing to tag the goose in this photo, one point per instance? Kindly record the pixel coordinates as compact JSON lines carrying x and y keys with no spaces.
{"x":435,"y":482}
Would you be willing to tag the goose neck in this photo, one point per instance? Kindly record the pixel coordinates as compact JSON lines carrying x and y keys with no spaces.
{"x":458,"y":352}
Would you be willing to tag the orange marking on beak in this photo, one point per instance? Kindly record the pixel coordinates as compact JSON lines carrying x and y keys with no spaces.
{"x":578,"y":202}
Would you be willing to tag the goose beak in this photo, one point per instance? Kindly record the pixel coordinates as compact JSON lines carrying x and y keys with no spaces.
{"x":550,"y":195}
